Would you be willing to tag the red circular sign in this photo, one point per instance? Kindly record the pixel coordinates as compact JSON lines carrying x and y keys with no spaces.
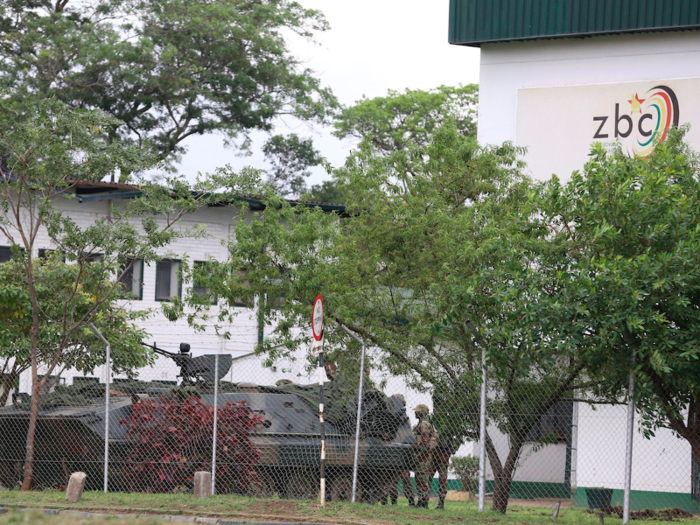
{"x":317,"y":318}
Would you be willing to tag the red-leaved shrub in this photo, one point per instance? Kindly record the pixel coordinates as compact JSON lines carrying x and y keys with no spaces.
{"x":172,"y":439}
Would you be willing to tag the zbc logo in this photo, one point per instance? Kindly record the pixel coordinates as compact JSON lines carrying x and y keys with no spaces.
{"x":649,"y":119}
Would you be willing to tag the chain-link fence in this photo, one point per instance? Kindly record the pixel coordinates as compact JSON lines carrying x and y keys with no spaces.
{"x":544,"y":441}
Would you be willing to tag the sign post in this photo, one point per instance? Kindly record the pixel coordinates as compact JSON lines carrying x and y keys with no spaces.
{"x":317,"y":329}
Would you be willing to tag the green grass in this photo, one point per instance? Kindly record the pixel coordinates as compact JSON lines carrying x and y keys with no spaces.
{"x":39,"y":518}
{"x":244,"y":508}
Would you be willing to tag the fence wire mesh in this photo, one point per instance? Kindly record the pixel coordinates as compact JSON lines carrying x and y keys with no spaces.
{"x":414,"y":443}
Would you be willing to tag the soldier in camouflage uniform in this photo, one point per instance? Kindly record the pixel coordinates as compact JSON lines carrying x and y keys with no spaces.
{"x":392,"y":491}
{"x":440,"y":463}
{"x":426,"y":441}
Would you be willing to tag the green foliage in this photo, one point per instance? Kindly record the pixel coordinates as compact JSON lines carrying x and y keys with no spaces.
{"x":631,"y":227}
{"x":55,"y":287}
{"x":431,"y":238}
{"x":327,"y":191}
{"x":291,"y":157}
{"x":48,"y":150}
{"x":467,"y":470}
{"x":409,"y":118}
{"x":165,"y":69}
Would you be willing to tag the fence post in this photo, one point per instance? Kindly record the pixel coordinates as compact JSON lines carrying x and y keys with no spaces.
{"x":216,"y":420}
{"x":482,"y":419}
{"x":628,"y":449}
{"x":482,"y":434}
{"x":359,"y":414}
{"x":108,"y":369}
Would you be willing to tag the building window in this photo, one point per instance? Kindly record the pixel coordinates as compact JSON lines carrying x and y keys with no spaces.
{"x":240,"y":302}
{"x":275,"y":299}
{"x":86,"y":380}
{"x":198,"y":286}
{"x":94,"y":257}
{"x":553,"y":427}
{"x":45,"y":253}
{"x":51,"y":383}
{"x":5,"y":254}
{"x":168,"y":284}
{"x":131,"y":278}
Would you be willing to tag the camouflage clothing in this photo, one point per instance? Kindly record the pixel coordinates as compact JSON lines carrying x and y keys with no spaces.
{"x":426,"y":440}
{"x":393,"y":489}
{"x":440,"y":464}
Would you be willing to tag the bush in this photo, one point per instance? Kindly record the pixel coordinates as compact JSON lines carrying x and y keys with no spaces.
{"x":172,"y":439}
{"x":467,"y":470}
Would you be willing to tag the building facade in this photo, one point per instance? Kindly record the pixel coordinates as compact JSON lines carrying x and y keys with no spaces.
{"x":557,"y":76}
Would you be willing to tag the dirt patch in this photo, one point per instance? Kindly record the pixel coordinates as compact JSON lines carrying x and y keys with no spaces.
{"x":272,"y":507}
{"x":673,"y":514}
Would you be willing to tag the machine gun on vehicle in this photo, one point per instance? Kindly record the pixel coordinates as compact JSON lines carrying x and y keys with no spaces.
{"x":195,"y":370}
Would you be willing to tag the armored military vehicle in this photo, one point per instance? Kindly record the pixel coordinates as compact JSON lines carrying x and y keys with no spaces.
{"x":71,"y":431}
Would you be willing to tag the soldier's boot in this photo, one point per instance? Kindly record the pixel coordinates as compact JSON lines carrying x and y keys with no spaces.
{"x":423,"y":503}
{"x":411,"y":501}
{"x":383,"y":500}
{"x":441,"y":503}
{"x":395,"y":500}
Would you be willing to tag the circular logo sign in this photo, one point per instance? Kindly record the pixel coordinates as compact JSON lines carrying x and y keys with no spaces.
{"x":317,"y":318}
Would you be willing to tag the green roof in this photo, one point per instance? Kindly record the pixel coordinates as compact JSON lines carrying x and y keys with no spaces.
{"x":475,"y":22}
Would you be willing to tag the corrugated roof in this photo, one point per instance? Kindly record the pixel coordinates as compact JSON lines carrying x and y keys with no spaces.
{"x":475,"y":22}
{"x":88,"y":191}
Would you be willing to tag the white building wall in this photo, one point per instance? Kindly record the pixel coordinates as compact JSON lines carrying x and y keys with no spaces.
{"x":219,"y":222}
{"x":508,"y":67}
{"x":660,"y":464}
{"x":663,"y":463}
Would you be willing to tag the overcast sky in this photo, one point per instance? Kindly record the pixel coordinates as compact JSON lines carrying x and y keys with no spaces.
{"x":372,"y":46}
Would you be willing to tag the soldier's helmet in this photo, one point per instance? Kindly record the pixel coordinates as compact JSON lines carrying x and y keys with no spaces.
{"x":283,"y":382}
{"x":423,"y":409}
{"x":400,"y":397}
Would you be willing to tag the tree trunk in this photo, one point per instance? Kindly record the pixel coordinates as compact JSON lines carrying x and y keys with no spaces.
{"x":36,"y":388}
{"x":501,"y":491}
{"x":504,"y":478}
{"x":31,"y":431}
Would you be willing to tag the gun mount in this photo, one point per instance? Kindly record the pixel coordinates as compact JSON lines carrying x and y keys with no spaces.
{"x":195,"y":370}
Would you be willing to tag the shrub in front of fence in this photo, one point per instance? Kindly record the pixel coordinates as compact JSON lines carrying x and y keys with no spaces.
{"x":172,"y":439}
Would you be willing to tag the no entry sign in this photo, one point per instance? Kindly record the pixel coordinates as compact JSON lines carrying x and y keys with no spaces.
{"x":317,"y":318}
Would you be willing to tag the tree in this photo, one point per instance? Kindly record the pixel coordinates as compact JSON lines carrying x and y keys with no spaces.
{"x":165,"y":69}
{"x":290,"y":157}
{"x":399,"y":120}
{"x":631,"y":224}
{"x":47,"y":150}
{"x":409,"y":118}
{"x":54,"y":285}
{"x":327,"y":191}
{"x":432,"y":237}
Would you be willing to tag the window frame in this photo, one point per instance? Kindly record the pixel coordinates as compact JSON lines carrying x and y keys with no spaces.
{"x":9,"y":248}
{"x":214,"y":299}
{"x":137,"y":296}
{"x":45,"y":253}
{"x":561,"y":414}
{"x":179,"y":279}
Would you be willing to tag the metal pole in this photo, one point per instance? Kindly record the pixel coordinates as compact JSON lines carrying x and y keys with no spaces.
{"x":482,"y":420}
{"x":216,"y":420}
{"x":108,"y":367}
{"x":628,"y":451}
{"x":322,"y":424}
{"x":359,"y":414}
{"x":482,"y":434}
